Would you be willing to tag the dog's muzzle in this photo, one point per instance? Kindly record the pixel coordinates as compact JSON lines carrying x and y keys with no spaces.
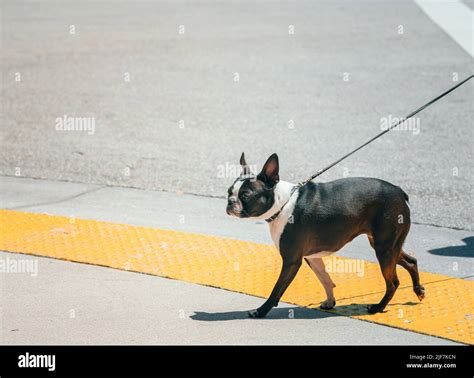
{"x":233,"y":207}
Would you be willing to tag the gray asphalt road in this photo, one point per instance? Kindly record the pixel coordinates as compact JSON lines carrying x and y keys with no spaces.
{"x":291,"y":96}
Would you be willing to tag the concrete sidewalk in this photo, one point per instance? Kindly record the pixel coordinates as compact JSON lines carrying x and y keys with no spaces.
{"x":70,"y":303}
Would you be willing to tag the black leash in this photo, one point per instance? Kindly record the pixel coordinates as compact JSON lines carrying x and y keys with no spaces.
{"x":321,"y":171}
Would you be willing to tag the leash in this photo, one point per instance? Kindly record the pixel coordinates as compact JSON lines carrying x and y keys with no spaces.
{"x":402,"y":120}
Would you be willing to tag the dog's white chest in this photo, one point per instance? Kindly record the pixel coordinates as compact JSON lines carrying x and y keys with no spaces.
{"x":286,"y":216}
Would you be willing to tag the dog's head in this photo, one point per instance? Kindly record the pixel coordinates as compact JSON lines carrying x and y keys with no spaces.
{"x":251,"y":195}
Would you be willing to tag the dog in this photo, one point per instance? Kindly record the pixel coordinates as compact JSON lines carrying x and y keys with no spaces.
{"x":317,"y":219}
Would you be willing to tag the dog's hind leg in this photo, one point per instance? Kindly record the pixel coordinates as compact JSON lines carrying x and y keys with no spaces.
{"x":388,"y":266}
{"x":410,"y":264}
{"x":387,"y":239}
{"x":317,"y":266}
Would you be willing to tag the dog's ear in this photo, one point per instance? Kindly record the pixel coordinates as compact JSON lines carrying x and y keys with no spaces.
{"x":269,"y":173}
{"x":245,"y":167}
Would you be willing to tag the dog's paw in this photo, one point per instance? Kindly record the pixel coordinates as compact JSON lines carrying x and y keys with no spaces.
{"x":374,"y":308}
{"x":253,"y":314}
{"x":327,"y":305}
{"x":256,"y":314}
{"x":420,"y":292}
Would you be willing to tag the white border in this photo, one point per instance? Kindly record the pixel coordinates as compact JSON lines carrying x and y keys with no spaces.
{"x":454,"y":17}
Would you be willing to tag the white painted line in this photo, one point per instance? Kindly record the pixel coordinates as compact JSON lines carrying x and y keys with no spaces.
{"x":454,"y":17}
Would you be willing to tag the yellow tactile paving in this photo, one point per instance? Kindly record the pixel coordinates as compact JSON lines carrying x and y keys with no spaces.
{"x":244,"y":267}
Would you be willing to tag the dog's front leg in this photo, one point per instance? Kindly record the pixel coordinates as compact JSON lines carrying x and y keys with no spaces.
{"x":288,"y":273}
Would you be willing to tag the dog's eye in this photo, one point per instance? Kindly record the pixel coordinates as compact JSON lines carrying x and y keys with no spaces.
{"x":245,"y":197}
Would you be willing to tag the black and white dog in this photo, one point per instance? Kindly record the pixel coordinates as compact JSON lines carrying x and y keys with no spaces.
{"x":318,"y":219}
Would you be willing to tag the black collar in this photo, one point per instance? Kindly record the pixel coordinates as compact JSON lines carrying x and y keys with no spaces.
{"x":275,"y":216}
